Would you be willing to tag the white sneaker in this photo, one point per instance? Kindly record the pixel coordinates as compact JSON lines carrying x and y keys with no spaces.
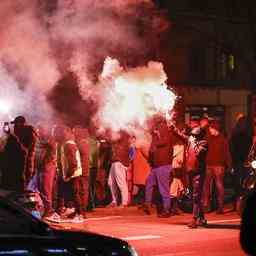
{"x":68,"y":211}
{"x":77,"y":219}
{"x":55,"y":217}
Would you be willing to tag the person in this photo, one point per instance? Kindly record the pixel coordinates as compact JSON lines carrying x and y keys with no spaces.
{"x":177,"y":189}
{"x":118,"y":171}
{"x":93,"y":169}
{"x":196,"y":152}
{"x":217,"y":161}
{"x":105,"y":154}
{"x":72,"y":171}
{"x":178,"y":177}
{"x":240,"y":143}
{"x":82,"y":139}
{"x":161,"y":165}
{"x":63,"y":203}
{"x":18,"y":156}
{"x":45,"y":163}
{"x":27,"y":137}
{"x":140,"y":170}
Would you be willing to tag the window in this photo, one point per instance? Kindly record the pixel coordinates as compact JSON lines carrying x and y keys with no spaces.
{"x":227,"y":66}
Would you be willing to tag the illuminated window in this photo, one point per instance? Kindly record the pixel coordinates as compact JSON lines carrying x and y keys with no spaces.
{"x":231,"y":62}
{"x":227,"y":65}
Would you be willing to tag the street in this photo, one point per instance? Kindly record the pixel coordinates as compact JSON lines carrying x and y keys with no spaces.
{"x":151,"y":235}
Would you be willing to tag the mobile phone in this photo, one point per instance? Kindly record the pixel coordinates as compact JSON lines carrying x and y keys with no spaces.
{"x":6,"y":127}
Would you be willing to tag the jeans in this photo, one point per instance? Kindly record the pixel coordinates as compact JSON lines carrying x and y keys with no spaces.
{"x":84,"y":192}
{"x":214,"y":173}
{"x":92,"y":188}
{"x":159,"y":176}
{"x":76,"y":187}
{"x":46,"y":185}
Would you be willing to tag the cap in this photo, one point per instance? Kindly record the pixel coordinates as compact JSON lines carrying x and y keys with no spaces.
{"x":19,"y":119}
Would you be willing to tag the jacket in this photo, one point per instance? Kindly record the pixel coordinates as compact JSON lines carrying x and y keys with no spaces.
{"x":70,"y":160}
{"x":218,"y":153}
{"x":196,"y":152}
{"x":45,"y":153}
{"x":120,"y":151}
{"x":196,"y":156}
{"x":141,"y":167}
{"x":161,"y":150}
{"x":83,"y":146}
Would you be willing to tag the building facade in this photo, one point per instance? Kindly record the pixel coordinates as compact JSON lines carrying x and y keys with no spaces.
{"x":210,"y":55}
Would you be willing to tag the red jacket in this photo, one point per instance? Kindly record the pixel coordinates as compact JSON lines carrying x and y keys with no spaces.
{"x":218,"y":152}
{"x":120,"y":149}
{"x":161,"y":150}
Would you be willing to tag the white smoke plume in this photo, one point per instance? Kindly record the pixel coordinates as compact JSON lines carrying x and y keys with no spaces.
{"x":37,"y":46}
{"x":131,"y":97}
{"x":25,"y":46}
{"x":94,"y":29}
{"x":27,"y":66}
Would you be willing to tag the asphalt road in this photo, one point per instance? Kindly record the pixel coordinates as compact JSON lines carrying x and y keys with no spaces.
{"x":151,"y":235}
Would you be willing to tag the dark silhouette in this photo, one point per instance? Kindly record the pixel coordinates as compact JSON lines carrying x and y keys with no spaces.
{"x":248,"y":226}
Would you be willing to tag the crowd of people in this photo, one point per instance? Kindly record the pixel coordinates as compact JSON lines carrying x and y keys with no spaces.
{"x":75,"y":171}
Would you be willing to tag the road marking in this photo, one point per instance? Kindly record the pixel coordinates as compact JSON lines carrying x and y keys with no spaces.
{"x":222,"y":221}
{"x":134,"y":238}
{"x":103,"y":218}
{"x":178,"y":254}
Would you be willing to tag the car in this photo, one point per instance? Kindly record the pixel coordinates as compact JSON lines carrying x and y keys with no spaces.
{"x":21,"y":233}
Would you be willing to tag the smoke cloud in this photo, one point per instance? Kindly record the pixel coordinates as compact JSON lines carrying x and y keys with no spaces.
{"x":130,"y":98}
{"x":43,"y":41}
{"x":28,"y":69}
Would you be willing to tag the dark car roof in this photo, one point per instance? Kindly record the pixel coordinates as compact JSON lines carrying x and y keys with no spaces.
{"x":68,"y":235}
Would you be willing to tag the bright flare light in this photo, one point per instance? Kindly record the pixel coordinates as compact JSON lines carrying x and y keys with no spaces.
{"x":135,"y":96}
{"x":5,"y":107}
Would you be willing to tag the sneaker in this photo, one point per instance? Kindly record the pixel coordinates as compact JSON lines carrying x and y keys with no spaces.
{"x":68,"y":211}
{"x":202,"y":222}
{"x":111,"y":205}
{"x":146,"y":209}
{"x":71,"y":215}
{"x":54,"y":217}
{"x":77,"y":219}
{"x":164,"y":215}
{"x":192,"y":224}
{"x":61,"y":210}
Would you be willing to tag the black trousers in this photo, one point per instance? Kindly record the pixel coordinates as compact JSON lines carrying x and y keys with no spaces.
{"x":197,"y":185}
{"x":92,"y":200}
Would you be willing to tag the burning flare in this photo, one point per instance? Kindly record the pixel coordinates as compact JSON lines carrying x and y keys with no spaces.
{"x":5,"y":106}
